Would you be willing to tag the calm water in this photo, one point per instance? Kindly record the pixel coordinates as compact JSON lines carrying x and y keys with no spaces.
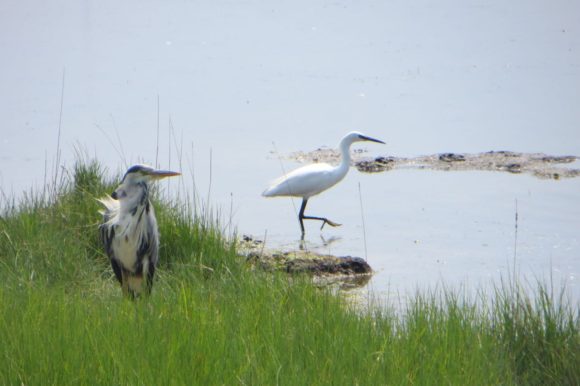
{"x":235,"y":84}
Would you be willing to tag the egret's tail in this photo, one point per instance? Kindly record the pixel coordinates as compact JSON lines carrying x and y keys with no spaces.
{"x":279,"y":187}
{"x":268,"y":192}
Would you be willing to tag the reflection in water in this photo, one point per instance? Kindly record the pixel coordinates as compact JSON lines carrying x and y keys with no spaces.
{"x":326,"y":242}
{"x":343,"y":282}
{"x":331,"y":240}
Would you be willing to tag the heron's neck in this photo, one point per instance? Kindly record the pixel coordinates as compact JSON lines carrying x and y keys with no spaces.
{"x":139,"y":199}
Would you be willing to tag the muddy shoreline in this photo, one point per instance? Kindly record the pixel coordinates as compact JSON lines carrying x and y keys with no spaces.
{"x":539,"y":165}
{"x":355,"y":271}
{"x":347,"y":271}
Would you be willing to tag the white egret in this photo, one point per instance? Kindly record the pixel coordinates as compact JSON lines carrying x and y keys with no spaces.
{"x":129,"y":230}
{"x":313,"y":179}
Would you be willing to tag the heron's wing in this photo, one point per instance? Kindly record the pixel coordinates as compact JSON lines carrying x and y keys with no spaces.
{"x":303,"y":182}
{"x":152,"y":251}
{"x":149,"y":246}
{"x":149,"y":238}
{"x":117,"y":269}
{"x":107,"y":233}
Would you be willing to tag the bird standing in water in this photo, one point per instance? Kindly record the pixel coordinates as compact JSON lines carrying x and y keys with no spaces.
{"x":313,"y":179}
{"x":129,"y":230}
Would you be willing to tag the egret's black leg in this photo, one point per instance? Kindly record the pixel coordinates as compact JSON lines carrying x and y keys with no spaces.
{"x":302,"y":217}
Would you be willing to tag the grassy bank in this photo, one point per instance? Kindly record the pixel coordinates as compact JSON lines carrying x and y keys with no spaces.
{"x":212,"y":321}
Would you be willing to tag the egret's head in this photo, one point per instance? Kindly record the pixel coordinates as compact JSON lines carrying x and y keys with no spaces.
{"x":137,"y":177}
{"x":355,"y":136}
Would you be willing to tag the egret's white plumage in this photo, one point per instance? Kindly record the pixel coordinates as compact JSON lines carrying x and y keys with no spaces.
{"x":306,"y":181}
{"x":313,"y":179}
{"x":129,"y":229}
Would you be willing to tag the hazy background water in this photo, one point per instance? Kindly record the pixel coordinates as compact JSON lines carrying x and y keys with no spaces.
{"x":235,"y":84}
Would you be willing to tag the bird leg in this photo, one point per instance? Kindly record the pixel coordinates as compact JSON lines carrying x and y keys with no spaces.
{"x":302,"y":217}
{"x":127,"y":292}
{"x":125,"y":282}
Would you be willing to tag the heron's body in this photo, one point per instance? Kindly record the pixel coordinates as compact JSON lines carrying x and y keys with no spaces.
{"x":129,"y":230}
{"x":313,"y":179}
{"x":133,"y":243}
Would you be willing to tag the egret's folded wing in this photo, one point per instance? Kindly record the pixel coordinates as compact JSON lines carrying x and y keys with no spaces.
{"x":303,"y":182}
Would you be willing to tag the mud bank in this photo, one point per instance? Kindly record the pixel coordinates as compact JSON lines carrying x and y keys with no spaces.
{"x":537,"y":164}
{"x":351,"y":271}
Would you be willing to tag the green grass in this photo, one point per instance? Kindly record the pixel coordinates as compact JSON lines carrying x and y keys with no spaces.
{"x":210,"y":320}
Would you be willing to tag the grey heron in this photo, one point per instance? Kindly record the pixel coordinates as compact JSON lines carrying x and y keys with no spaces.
{"x":313,"y":179}
{"x":129,"y":229}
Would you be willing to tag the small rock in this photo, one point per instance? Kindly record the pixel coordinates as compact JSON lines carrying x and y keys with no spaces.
{"x":514,"y":168}
{"x":559,"y":159}
{"x":384,"y":160}
{"x":354,"y":265}
{"x":451,"y":157}
{"x":347,"y":265}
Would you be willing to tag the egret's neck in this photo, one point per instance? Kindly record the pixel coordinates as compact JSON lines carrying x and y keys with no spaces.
{"x":344,"y":165}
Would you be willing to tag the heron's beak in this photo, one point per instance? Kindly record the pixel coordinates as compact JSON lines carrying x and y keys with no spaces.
{"x":365,"y":138}
{"x":159,"y":174}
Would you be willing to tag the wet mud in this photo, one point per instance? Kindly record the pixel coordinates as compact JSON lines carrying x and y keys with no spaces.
{"x":536,"y":164}
{"x":350,"y":271}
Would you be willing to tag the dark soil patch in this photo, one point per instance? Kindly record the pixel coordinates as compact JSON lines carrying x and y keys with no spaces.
{"x":295,"y":262}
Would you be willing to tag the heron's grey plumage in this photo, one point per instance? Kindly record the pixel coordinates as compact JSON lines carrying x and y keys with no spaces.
{"x":129,"y":230}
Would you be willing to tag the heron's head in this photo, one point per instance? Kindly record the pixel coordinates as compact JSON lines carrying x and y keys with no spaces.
{"x":355,"y":136}
{"x":137,"y":177}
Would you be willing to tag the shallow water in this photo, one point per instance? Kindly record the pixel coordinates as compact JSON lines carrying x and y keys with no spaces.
{"x":427,"y":228}
{"x":224,"y":91}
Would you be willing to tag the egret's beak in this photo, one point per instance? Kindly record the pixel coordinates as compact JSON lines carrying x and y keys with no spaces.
{"x":365,"y":138}
{"x":159,"y":174}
